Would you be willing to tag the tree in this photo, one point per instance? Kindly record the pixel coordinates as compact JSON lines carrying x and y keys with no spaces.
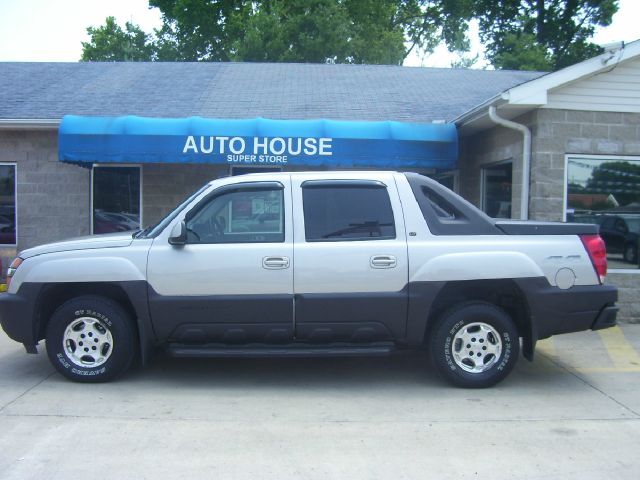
{"x":518,"y":34}
{"x":340,"y":31}
{"x":541,"y":34}
{"x":322,"y":31}
{"x":110,"y":43}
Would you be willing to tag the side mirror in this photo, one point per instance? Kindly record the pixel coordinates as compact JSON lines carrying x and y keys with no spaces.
{"x":178,"y":234}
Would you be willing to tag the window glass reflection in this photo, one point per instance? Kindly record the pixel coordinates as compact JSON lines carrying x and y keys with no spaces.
{"x":7,"y":204}
{"x":116,"y":199}
{"x":606,"y":192}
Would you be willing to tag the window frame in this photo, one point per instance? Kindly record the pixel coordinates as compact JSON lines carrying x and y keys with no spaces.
{"x":15,"y":202}
{"x":114,"y":165}
{"x":346,"y":183}
{"x":232,"y":187}
{"x":577,"y":156}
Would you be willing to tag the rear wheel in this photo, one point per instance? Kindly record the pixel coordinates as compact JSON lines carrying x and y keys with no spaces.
{"x":475,"y":345}
{"x":630,"y":253}
{"x":90,"y":339}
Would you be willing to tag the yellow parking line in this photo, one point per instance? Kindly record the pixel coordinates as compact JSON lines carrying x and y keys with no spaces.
{"x":622,"y":353}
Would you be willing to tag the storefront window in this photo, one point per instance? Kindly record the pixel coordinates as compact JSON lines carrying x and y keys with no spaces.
{"x":7,"y":204}
{"x":496,"y":190}
{"x":116,"y":199}
{"x":606,"y":191}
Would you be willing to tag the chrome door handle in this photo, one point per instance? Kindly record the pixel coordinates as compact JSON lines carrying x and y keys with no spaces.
{"x":274,"y":263}
{"x":383,"y":261}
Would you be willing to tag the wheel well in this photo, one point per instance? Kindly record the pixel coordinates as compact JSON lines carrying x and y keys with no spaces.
{"x":54,"y":295}
{"x":503,"y":293}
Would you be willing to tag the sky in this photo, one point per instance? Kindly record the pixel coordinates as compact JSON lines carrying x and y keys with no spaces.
{"x":52,"y":30}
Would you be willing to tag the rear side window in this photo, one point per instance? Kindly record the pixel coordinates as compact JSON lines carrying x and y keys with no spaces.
{"x":447,"y":213}
{"x":442,"y":208}
{"x":344,"y":211}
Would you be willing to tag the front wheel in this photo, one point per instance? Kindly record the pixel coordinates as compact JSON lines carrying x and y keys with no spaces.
{"x":90,"y":339}
{"x":475,"y":345}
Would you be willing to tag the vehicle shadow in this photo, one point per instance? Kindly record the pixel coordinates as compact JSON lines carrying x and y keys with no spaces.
{"x":410,"y":368}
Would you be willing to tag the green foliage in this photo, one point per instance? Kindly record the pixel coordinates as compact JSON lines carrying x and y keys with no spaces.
{"x":518,"y":34}
{"x":541,"y":34}
{"x":110,"y":43}
{"x":340,"y":31}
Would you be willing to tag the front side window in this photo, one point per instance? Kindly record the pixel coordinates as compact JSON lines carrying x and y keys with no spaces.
{"x":116,"y":199}
{"x":606,"y":191}
{"x":347,"y":212}
{"x":241,"y":215}
{"x":7,"y":204}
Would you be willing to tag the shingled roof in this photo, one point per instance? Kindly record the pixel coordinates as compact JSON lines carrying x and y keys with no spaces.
{"x":246,"y":90}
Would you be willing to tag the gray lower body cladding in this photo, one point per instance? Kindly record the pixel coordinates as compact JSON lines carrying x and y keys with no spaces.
{"x":320,"y":319}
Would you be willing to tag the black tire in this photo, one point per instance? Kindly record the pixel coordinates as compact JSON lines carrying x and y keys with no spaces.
{"x":105,"y":331}
{"x":630,"y":253}
{"x":485,"y":327}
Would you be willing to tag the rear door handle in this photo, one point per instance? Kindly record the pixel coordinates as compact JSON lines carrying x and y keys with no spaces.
{"x":275,"y":263}
{"x":383,"y":261}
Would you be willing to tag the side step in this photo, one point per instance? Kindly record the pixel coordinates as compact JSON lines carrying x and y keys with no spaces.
{"x":291,"y":350}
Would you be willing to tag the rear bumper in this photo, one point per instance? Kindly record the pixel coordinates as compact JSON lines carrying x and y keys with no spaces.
{"x":606,"y":318}
{"x":554,"y":311}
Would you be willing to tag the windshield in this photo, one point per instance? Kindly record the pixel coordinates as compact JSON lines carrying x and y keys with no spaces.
{"x":154,"y":230}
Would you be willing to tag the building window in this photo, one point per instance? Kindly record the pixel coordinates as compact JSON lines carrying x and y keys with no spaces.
{"x":496,"y":190}
{"x":347,"y":212}
{"x":606,"y":191}
{"x":242,"y":170}
{"x":448,"y":179}
{"x":116,"y":199}
{"x":7,"y":204}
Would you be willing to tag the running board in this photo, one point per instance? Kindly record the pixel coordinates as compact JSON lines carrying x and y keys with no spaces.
{"x":297,"y":350}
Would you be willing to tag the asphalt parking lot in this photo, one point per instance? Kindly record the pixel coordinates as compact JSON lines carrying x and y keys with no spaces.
{"x":573,"y":413}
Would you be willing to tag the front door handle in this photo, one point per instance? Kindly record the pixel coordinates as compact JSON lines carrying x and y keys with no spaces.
{"x":383,"y":261}
{"x":275,"y":263}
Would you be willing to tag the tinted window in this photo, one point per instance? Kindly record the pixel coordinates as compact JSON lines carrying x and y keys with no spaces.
{"x":116,"y":199}
{"x":441,"y":207}
{"x":7,"y":204}
{"x":347,"y":212}
{"x":244,"y":215}
{"x":497,"y":188}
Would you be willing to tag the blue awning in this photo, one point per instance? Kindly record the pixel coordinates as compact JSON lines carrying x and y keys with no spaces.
{"x":259,"y":141}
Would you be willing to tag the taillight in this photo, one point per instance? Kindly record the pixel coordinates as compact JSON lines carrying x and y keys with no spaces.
{"x":597,"y":253}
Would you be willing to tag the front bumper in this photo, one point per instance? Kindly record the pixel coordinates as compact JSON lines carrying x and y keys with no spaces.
{"x":17,"y":315}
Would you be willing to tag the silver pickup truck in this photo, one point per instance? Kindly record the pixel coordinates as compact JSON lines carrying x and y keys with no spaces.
{"x":312,"y":264}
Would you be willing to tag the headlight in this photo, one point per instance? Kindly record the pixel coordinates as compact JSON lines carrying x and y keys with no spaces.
{"x":12,"y":269}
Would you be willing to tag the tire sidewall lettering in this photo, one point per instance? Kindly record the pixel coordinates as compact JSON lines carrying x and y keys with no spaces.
{"x":101,"y":310}
{"x":93,"y":314}
{"x":452,"y":321}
